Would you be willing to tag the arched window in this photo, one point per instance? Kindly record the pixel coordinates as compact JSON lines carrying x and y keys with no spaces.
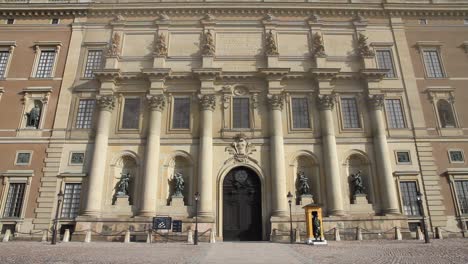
{"x":446,"y":117}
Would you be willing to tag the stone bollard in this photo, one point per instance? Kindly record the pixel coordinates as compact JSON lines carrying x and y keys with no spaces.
{"x":6,"y":236}
{"x":337,"y":234}
{"x":44,"y":236}
{"x":358,"y":233}
{"x":398,"y":233}
{"x":439,"y":233}
{"x":87,"y":238}
{"x":127,"y":237}
{"x":419,"y":234}
{"x":190,"y":237}
{"x":66,"y":236}
{"x":298,"y":235}
{"x":149,"y":237}
{"x":273,"y":235}
{"x":212,"y":236}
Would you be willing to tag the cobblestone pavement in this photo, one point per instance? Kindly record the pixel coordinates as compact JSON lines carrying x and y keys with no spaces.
{"x":410,"y":251}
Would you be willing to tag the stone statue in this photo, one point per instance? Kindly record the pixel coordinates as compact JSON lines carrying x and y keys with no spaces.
{"x":122,"y":185}
{"x":318,"y":50}
{"x":304,"y":188}
{"x":114,"y":46}
{"x":160,"y":47}
{"x":270,"y":47}
{"x":316,"y":227}
{"x":208,"y":47}
{"x":179,"y":184}
{"x":356,"y":180}
{"x":34,"y":116}
{"x":362,"y":47}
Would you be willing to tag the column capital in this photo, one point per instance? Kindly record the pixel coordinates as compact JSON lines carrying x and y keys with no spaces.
{"x":156,"y":102}
{"x":276,"y":101}
{"x":207,"y":101}
{"x":105,"y":102}
{"x":376,"y":101}
{"x":326,"y":101}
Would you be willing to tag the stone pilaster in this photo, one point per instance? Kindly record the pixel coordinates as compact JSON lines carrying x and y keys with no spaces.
{"x":156,"y":105}
{"x":96,"y":178}
{"x":326,"y":102}
{"x":382,"y":156}
{"x":277,"y":161}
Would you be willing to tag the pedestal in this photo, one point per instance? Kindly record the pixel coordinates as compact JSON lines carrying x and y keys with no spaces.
{"x":121,"y":206}
{"x":360,"y":205}
{"x":307,"y":199}
{"x":359,"y":199}
{"x":121,"y":200}
{"x":177,"y":201}
{"x":316,"y":242}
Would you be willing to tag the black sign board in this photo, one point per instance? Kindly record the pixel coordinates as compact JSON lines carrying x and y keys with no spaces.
{"x":177,"y":226}
{"x":162,"y":222}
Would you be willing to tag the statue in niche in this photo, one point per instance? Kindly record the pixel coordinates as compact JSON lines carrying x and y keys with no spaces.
{"x":316,"y":227}
{"x":160,"y":47}
{"x":270,"y":47}
{"x":114,"y":46}
{"x":123,"y":184}
{"x":179,"y":184}
{"x":34,"y":116}
{"x":362,"y":46}
{"x":356,"y":180}
{"x":208,"y":47}
{"x":318,"y":50}
{"x":304,"y":188}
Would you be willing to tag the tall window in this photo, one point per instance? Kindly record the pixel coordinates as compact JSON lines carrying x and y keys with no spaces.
{"x":71,"y":200}
{"x":409,"y":193}
{"x":446,"y":116}
{"x":4,"y":55}
{"x":433,"y":64}
{"x":462,"y":195}
{"x":385,"y":61}
{"x":394,"y":113}
{"x":14,"y":201}
{"x":131,"y":113}
{"x":241,"y":113}
{"x":93,"y":62}
{"x":181,"y":114}
{"x":45,"y":64}
{"x":300,"y":112}
{"x":350,"y":113}
{"x":84,"y":117}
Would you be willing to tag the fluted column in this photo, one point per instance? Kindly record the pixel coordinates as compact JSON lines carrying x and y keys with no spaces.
{"x":277,"y":161}
{"x":330,"y":155}
{"x":205,"y":157}
{"x":156,"y":104}
{"x":96,"y":177}
{"x":382,"y":156}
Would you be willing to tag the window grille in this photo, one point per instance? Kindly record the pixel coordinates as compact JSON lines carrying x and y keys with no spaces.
{"x":93,"y":62}
{"x":350,"y":113}
{"x":385,"y":61}
{"x":432,"y":64}
{"x":181,"y":115}
{"x":462,"y":195}
{"x":131,"y":113}
{"x":14,"y":201}
{"x":71,"y":200}
{"x":46,"y":64}
{"x":241,"y":113}
{"x":4,"y":55}
{"x":300,"y":112}
{"x":409,"y":193}
{"x":84,"y":117}
{"x":394,"y":113}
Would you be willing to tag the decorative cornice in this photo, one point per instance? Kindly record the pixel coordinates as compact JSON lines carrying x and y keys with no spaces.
{"x":373,"y":75}
{"x":105,"y":102}
{"x":276,"y":101}
{"x":324,"y":74}
{"x":156,"y":102}
{"x":156,"y":73}
{"x":107,"y":75}
{"x":274,"y":73}
{"x":326,"y":101}
{"x":207,"y":73}
{"x":207,"y":101}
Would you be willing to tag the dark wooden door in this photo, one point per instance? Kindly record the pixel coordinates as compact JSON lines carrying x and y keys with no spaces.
{"x":242,"y":212}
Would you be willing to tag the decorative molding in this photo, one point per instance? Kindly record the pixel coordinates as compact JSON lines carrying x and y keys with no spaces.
{"x":160,"y":47}
{"x":276,"y":101}
{"x":326,"y":101}
{"x":105,"y":102}
{"x":241,"y":150}
{"x":156,"y":102}
{"x":114,"y":45}
{"x":363,"y":49}
{"x":208,"y":46}
{"x":376,"y":101}
{"x":207,"y":101}
{"x":318,"y":50}
{"x":271,"y":49}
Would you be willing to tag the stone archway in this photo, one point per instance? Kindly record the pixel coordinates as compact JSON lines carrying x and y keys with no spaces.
{"x":242,"y":206}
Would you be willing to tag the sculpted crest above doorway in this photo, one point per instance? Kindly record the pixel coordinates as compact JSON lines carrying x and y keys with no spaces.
{"x":240,"y":150}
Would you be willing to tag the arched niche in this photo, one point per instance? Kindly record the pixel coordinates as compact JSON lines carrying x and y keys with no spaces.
{"x":181,"y":163}
{"x":306,"y":163}
{"x":446,"y":116}
{"x":125,"y":164}
{"x":356,"y":162}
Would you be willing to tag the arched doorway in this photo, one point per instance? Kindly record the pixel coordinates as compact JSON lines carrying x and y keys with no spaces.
{"x":242,"y":210}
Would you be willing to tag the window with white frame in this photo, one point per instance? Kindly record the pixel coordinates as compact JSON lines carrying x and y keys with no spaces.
{"x":71,"y":200}
{"x":23,"y":157}
{"x":131,"y":113}
{"x":409,"y":193}
{"x":181,"y":113}
{"x":241,"y":112}
{"x":300,"y":113}
{"x":15,"y":199}
{"x":93,"y":62}
{"x":385,"y":61}
{"x":4,"y":56}
{"x":456,"y":156}
{"x":395,"y":117}
{"x":432,"y":63}
{"x":84,"y":115}
{"x":45,"y":64}
{"x":350,"y":113}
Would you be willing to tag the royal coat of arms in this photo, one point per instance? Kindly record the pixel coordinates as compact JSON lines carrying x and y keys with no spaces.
{"x":241,"y":150}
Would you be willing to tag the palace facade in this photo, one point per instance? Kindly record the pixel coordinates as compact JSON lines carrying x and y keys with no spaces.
{"x":131,"y":108}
